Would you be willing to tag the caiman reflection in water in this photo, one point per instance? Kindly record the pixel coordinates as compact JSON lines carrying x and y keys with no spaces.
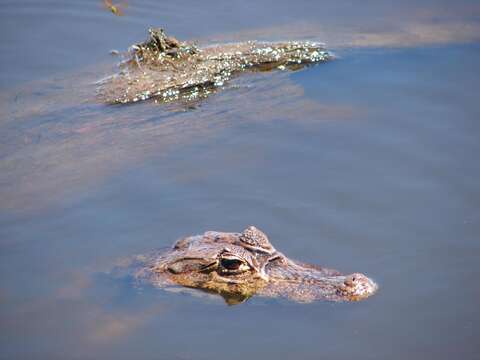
{"x":167,"y":69}
{"x":240,"y":265}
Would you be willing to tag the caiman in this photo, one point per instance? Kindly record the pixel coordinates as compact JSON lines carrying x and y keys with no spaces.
{"x":166,"y":69}
{"x":240,"y":265}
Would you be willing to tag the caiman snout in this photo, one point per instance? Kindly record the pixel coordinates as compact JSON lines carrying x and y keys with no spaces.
{"x":357,"y":286}
{"x":306,"y":283}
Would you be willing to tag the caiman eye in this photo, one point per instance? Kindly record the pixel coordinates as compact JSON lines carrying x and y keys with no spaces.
{"x":231,"y":264}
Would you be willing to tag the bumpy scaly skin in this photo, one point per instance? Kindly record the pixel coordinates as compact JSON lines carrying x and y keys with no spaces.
{"x":239,"y":265}
{"x":166,"y":69}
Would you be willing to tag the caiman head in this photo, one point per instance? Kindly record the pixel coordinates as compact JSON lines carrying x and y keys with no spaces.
{"x":239,"y":265}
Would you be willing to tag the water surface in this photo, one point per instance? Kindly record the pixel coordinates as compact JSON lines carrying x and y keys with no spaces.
{"x":368,"y":163}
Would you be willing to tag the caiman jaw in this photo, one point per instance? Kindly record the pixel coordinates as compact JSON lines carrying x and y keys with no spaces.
{"x":307,"y":283}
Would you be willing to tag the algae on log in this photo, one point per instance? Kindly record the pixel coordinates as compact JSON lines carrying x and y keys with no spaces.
{"x":166,"y":69}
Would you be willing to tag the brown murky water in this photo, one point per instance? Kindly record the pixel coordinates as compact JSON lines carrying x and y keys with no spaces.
{"x":367,"y":163}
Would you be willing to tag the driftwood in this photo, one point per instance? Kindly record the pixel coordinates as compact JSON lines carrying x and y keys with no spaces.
{"x":167,"y":69}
